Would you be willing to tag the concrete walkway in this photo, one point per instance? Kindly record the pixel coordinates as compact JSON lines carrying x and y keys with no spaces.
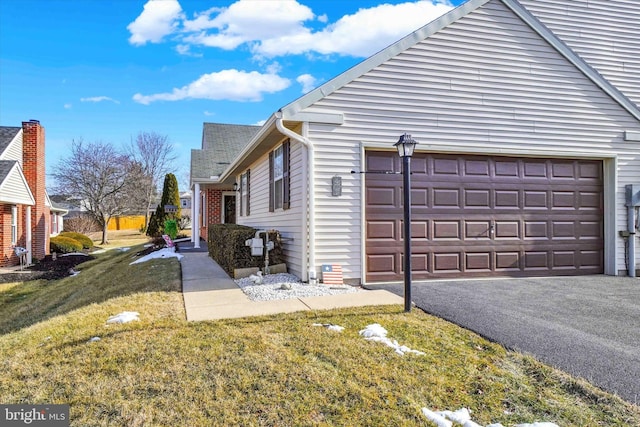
{"x":210,"y":294}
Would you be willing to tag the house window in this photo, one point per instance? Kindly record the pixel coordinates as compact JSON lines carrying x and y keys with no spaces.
{"x":245,"y":184}
{"x":279,"y":177}
{"x":14,"y":225}
{"x":183,"y":202}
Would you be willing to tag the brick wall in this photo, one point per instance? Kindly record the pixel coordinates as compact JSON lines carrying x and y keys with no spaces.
{"x":213,"y":210}
{"x":34,"y":172}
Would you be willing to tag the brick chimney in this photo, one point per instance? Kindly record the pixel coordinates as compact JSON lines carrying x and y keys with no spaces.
{"x":33,"y":166}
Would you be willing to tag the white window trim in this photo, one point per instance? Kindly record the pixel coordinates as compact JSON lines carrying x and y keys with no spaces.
{"x":278,"y":180}
{"x":14,"y":225}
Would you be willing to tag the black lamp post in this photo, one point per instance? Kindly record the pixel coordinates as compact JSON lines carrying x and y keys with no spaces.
{"x":405,"y":146}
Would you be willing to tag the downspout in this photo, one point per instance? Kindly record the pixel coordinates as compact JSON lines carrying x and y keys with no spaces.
{"x":631,"y":240}
{"x":310,"y":198}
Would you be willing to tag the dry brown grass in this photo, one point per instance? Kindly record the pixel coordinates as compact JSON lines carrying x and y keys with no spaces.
{"x":266,"y":371}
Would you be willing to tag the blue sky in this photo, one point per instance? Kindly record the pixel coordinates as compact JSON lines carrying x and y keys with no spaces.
{"x":106,"y":70}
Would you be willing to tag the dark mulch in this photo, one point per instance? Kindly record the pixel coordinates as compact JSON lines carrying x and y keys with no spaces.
{"x":47,"y":268}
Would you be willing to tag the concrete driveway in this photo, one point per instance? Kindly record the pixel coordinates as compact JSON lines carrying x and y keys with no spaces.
{"x":588,"y":326}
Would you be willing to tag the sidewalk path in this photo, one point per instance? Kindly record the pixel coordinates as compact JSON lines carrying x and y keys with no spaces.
{"x":210,"y":294}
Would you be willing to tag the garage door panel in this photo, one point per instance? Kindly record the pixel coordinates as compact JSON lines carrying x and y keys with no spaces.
{"x":477,"y":230}
{"x":446,"y":230}
{"x":536,"y":230}
{"x":382,"y":230}
{"x":535,"y":199}
{"x":507,"y":261}
{"x":507,"y":199}
{"x":483,"y":216}
{"x":507,"y":230}
{"x":478,"y":261}
{"x":446,"y":197}
{"x":477,"y":199}
{"x":447,"y":262}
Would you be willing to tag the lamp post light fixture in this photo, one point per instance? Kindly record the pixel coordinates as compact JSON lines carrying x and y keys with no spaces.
{"x":235,"y":186}
{"x":405,"y":146}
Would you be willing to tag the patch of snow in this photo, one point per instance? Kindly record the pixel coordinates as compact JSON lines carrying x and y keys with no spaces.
{"x":94,"y":339}
{"x":99,"y":251}
{"x":73,"y":272}
{"x":330,"y":326}
{"x":257,"y":278}
{"x":377,"y":333}
{"x":124,"y":317}
{"x":272,"y":288}
{"x":460,"y":416}
{"x":125,"y":249}
{"x":162,"y":253}
{"x":74,"y":253}
{"x":463,"y":417}
{"x":438,"y":419}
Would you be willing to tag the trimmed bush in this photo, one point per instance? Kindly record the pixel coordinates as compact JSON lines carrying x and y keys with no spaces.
{"x":171,"y":228}
{"x":85,"y":240}
{"x":227,"y":248}
{"x":65,"y":245}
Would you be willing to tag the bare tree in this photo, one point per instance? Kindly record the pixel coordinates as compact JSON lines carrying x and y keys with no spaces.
{"x":154,"y":153}
{"x":102,"y":178}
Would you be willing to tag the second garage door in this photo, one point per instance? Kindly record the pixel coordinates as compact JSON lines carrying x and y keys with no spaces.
{"x":475,"y":216}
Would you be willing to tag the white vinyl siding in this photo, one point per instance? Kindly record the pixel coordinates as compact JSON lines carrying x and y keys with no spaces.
{"x":606,"y":33}
{"x":14,"y":149}
{"x":485,"y":84}
{"x":15,"y":189}
{"x":288,"y":221}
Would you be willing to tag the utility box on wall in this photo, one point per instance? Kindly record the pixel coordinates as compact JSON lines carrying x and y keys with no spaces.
{"x":632,"y":195}
{"x":256,"y":246}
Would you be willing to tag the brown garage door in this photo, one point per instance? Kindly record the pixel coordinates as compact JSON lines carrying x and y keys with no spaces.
{"x":476,"y":216}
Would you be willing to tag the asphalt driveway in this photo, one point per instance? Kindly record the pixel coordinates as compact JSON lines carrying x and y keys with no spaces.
{"x":588,"y":326}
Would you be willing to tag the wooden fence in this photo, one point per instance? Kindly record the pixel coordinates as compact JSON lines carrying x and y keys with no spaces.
{"x":132,"y":222}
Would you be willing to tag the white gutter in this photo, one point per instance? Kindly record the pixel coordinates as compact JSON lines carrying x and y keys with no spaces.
{"x":310,"y":198}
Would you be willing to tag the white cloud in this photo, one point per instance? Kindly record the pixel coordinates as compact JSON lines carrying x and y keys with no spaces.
{"x":99,"y":99}
{"x":230,"y":85}
{"x":67,"y":106}
{"x":260,"y":122}
{"x":360,"y":34}
{"x":277,"y":28}
{"x":247,"y":21}
{"x":209,"y":113}
{"x":158,"y":19}
{"x":307,"y":81}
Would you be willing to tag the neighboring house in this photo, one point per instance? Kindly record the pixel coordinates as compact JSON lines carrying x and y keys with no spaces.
{"x":215,"y":201}
{"x":528,"y":122}
{"x":57,"y":217}
{"x":185,"y":205}
{"x":25,"y":208}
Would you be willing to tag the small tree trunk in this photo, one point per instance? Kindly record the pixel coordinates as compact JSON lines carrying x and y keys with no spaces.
{"x":105,"y":227}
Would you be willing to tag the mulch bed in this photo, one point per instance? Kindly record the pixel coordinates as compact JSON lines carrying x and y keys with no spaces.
{"x":47,"y":268}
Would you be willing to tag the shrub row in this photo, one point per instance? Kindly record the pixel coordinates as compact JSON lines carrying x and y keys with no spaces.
{"x":226,"y":244}
{"x":67,"y":242}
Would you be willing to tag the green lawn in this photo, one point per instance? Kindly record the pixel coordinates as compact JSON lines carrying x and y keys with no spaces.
{"x":270,"y":371}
